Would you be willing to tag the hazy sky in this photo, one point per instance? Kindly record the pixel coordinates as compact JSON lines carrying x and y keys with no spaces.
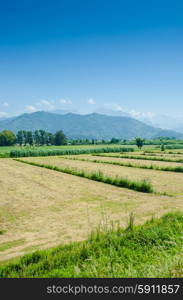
{"x":85,"y":54}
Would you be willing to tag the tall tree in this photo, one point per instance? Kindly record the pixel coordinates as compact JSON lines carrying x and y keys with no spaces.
{"x":42,"y":137}
{"x":60,"y":138}
{"x":139,"y":142}
{"x":2,"y":139}
{"x":25,"y":137}
{"x":20,"y":137}
{"x":49,"y":138}
{"x":30,"y":140}
{"x":7,"y":138}
{"x":37,"y":137}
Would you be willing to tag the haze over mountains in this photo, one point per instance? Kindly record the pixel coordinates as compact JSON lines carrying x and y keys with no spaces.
{"x":156,"y":120}
{"x":91,"y":126}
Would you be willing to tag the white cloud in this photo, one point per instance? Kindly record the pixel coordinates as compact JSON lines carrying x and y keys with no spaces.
{"x":115,"y":107}
{"x":138,"y":114}
{"x":45,"y":103}
{"x":118,"y":107}
{"x":5,"y":104}
{"x":3,"y":114}
{"x":131,"y":112}
{"x":31,"y":108}
{"x":91,"y":101}
{"x":65,"y":101}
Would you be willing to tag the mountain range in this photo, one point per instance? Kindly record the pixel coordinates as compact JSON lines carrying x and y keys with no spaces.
{"x":91,"y":126}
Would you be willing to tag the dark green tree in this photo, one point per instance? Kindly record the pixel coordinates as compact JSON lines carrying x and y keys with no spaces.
{"x":2,"y":139}
{"x":36,"y":137}
{"x":20,"y":137}
{"x":73,"y":142}
{"x":49,"y":138}
{"x":60,"y":138}
{"x":7,"y":138}
{"x":30,"y":140}
{"x":139,"y":142}
{"x":114,"y":141}
{"x":162,"y":147}
{"x":25,"y":137}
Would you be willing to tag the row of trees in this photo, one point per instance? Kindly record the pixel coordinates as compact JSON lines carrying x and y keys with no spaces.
{"x":38,"y":138}
{"x":41,"y":137}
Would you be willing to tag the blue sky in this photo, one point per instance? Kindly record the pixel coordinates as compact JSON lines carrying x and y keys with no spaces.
{"x":84,"y":55}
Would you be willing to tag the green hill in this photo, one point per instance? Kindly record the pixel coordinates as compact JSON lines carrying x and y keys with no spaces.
{"x":92,"y":126}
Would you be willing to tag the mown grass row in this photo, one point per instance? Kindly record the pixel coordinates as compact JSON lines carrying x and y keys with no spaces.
{"x":162,"y":154}
{"x":140,"y":186}
{"x":142,"y":158}
{"x":27,"y":153}
{"x":172,"y":152}
{"x":171,"y":147}
{"x":153,"y":249}
{"x":130,"y":165}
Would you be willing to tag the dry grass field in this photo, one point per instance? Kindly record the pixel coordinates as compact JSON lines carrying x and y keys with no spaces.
{"x":149,"y":155}
{"x":137,"y":162}
{"x":163,"y":182}
{"x":40,"y":208}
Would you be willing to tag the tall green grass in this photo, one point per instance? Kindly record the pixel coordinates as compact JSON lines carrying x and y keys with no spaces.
{"x":142,"y":158}
{"x":130,"y":165}
{"x":153,"y":249}
{"x":28,"y":153}
{"x":140,"y":186}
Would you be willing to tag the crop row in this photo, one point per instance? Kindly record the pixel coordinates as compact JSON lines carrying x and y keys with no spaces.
{"x":27,"y":153}
{"x":140,"y":186}
{"x":131,"y":165}
{"x":143,"y":157}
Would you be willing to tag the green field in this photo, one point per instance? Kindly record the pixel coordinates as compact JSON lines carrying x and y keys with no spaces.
{"x":91,"y":215}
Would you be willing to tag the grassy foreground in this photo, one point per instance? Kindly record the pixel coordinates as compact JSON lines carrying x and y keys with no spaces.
{"x":149,"y":250}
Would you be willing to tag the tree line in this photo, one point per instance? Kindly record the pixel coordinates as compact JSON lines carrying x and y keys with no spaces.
{"x":42,"y":137}
{"x":37,"y":137}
